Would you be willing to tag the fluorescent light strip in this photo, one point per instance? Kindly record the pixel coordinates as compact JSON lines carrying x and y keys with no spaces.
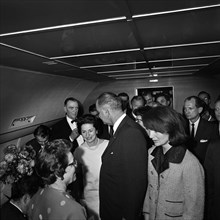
{"x":165,"y":75}
{"x":185,"y":58}
{"x":97,"y":53}
{"x":25,"y":51}
{"x":158,"y":73}
{"x":176,"y":67}
{"x":39,"y":55}
{"x":121,"y":71}
{"x":132,"y":74}
{"x":153,"y":80}
{"x":154,"y":68}
{"x":175,"y":11}
{"x":64,"y":26}
{"x":182,"y":45}
{"x":135,"y":49}
{"x":177,"y":71}
{"x":113,"y":64}
{"x":151,"y":61}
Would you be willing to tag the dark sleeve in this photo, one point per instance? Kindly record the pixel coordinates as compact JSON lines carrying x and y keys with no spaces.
{"x":209,"y":180}
{"x":134,"y":172}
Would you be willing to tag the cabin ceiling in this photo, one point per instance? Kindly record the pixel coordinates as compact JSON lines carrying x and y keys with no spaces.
{"x":111,"y":39}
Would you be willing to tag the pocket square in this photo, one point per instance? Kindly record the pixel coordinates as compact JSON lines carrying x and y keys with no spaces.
{"x":203,"y":141}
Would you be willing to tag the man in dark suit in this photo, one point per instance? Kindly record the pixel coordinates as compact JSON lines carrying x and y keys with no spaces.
{"x":41,"y":138}
{"x":123,"y":175}
{"x":21,"y":193}
{"x":212,"y":165}
{"x":66,"y":128}
{"x":201,"y":131}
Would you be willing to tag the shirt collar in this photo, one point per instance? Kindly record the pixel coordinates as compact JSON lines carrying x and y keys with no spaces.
{"x":196,"y":122}
{"x":117,"y":123}
{"x":16,"y":206}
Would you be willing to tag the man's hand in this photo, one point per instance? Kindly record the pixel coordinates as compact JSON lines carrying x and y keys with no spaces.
{"x":74,"y":134}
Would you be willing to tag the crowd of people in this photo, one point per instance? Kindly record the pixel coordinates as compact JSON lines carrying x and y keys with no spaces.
{"x":125,"y":159}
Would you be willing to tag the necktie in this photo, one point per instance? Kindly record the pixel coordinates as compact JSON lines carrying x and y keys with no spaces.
{"x":111,"y":131}
{"x":192,"y":130}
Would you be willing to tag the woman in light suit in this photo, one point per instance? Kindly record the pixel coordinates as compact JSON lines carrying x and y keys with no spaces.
{"x":176,"y":178}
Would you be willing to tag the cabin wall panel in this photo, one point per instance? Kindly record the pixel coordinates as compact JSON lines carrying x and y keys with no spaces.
{"x":26,"y":93}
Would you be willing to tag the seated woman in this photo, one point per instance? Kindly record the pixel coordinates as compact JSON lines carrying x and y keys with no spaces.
{"x":175,"y":176}
{"x":56,"y":165}
{"x":89,"y":156}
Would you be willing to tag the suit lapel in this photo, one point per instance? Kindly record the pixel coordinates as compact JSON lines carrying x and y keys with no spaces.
{"x":199,"y":129}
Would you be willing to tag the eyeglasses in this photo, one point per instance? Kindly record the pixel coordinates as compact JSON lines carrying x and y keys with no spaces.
{"x":74,"y":163}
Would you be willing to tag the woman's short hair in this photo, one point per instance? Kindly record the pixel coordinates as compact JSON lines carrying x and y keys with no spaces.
{"x":164,"y":119}
{"x":87,"y":119}
{"x":52,"y":161}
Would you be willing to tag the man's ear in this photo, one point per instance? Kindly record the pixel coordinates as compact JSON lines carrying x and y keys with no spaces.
{"x":200,"y":109}
{"x":65,"y":110}
{"x":107,"y":112}
{"x":26,"y":199}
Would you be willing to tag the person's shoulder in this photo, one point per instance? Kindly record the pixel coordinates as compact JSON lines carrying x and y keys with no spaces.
{"x":30,"y":142}
{"x":190,"y":160}
{"x":206,"y":123}
{"x":214,"y":145}
{"x":72,"y":204}
{"x":60,"y":122}
{"x":104,"y":141}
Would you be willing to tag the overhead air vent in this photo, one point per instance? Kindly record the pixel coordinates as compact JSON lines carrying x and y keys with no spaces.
{"x":23,"y":121}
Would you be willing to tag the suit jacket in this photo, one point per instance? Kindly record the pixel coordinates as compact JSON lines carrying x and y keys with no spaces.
{"x":123,"y":175}
{"x":9,"y":212}
{"x":62,"y":130}
{"x":36,"y":146}
{"x":205,"y":133}
{"x":212,"y":165}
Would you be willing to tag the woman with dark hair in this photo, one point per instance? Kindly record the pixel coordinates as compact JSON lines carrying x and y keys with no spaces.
{"x":56,"y":166}
{"x":175,"y":176}
{"x":88,"y":155}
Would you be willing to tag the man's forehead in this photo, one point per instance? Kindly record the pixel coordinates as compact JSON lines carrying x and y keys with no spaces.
{"x":190,"y":102}
{"x":72,"y":103}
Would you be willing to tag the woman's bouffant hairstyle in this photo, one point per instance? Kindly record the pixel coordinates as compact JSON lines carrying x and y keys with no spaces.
{"x":164,"y":119}
{"x":87,"y":119}
{"x":52,"y":161}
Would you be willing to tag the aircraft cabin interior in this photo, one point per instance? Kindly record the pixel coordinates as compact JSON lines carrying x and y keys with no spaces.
{"x":51,"y":50}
